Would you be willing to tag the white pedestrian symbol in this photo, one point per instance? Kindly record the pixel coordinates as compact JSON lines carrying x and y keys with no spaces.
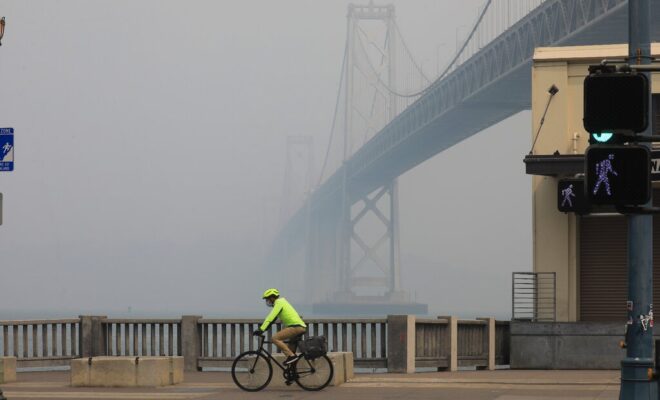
{"x":567,"y":193}
{"x":603,"y":168}
{"x":6,"y":148}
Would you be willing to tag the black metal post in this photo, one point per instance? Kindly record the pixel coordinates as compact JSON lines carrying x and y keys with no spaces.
{"x":2,"y":33}
{"x":637,"y":367}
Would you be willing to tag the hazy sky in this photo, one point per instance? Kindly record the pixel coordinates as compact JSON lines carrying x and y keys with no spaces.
{"x":150,"y":147}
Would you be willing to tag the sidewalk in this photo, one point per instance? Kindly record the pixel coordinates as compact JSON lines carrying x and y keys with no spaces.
{"x":479,"y":385}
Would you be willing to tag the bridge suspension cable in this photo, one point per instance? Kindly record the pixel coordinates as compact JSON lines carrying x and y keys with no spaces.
{"x":334,"y":116}
{"x":376,"y":82}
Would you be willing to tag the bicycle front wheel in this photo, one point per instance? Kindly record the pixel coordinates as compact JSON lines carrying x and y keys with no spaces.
{"x":314,"y":374}
{"x":251,"y":371}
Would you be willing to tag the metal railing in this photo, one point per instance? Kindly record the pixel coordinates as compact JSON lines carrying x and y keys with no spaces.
{"x":142,"y":337}
{"x":223,"y":339}
{"x":205,"y":342}
{"x":533,"y":296}
{"x":40,"y":342}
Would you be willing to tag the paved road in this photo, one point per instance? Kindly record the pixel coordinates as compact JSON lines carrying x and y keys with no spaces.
{"x":477,"y":385}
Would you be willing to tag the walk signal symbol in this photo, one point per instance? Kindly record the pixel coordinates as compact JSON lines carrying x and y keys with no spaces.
{"x":571,"y":196}
{"x":618,"y":175}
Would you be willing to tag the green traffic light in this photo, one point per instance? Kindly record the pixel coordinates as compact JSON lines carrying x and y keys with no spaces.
{"x":602,"y":137}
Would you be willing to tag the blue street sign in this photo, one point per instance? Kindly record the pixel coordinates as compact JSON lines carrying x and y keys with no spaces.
{"x":6,"y":149}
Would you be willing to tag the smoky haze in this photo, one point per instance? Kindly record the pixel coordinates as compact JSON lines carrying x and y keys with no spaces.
{"x":150,"y":155}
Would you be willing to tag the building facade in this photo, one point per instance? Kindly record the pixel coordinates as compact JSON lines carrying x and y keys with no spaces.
{"x":588,"y":254}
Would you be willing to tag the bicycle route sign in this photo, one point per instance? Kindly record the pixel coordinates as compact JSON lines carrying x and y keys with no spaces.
{"x":6,"y":149}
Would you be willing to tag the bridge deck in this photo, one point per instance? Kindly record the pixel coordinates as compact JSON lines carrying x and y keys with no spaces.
{"x":493,"y":85}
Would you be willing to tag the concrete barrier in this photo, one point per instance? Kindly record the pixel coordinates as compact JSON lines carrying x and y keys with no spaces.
{"x":126,"y":371}
{"x":566,"y":345}
{"x":348,"y":366}
{"x":7,"y":369}
{"x":340,"y":364}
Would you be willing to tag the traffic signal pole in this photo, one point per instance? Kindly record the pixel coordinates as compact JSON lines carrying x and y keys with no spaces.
{"x":637,"y":367}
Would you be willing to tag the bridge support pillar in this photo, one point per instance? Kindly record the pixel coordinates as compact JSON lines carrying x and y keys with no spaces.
{"x":376,"y":270}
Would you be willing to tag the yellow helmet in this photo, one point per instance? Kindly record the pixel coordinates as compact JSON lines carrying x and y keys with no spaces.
{"x":271,"y":292}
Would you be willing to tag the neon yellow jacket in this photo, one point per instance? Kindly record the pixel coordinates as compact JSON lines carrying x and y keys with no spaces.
{"x":286,"y":313}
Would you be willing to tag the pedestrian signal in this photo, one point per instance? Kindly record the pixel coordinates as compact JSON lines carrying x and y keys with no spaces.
{"x":618,"y":175}
{"x":616,"y":102}
{"x":571,"y":196}
{"x":606,"y":138}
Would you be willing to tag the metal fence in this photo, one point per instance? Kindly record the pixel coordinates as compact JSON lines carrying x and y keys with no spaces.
{"x":534,"y":296}
{"x":223,"y":339}
{"x":40,"y":342}
{"x":142,"y":337}
{"x":205,"y":342}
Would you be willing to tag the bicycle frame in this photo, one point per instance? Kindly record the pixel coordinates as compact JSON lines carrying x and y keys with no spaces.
{"x":268,"y":355}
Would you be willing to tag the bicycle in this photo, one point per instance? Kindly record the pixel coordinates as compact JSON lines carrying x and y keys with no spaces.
{"x":253,"y":370}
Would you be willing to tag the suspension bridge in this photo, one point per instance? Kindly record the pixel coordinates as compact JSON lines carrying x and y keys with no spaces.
{"x":343,"y":232}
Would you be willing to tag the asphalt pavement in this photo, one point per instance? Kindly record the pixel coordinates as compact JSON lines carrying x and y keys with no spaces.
{"x":477,"y":385}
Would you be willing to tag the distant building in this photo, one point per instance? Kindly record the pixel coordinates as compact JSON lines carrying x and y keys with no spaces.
{"x":587,"y":253}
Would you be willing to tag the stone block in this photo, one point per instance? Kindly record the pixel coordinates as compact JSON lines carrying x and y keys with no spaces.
{"x":126,"y":371}
{"x":79,"y":373}
{"x":339,"y":375}
{"x":103,"y":371}
{"x":176,"y":370}
{"x":7,"y":369}
{"x":152,"y":371}
{"x":348,"y":366}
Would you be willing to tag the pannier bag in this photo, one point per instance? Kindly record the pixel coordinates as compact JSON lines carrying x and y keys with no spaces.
{"x":314,"y":347}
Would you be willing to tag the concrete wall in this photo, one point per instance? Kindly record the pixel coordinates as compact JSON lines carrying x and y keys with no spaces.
{"x":7,"y":369}
{"x":126,"y":371}
{"x":555,"y":234}
{"x":568,"y":345}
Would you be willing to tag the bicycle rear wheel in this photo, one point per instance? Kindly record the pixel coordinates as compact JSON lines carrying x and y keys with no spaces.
{"x":251,"y":371}
{"x":314,"y":374}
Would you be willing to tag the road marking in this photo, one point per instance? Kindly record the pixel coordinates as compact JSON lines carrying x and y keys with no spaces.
{"x":202,"y":385}
{"x":102,"y":395}
{"x":526,"y":382}
{"x":448,"y":385}
{"x":35,"y":384}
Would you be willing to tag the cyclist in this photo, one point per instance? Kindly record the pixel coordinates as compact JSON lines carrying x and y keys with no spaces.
{"x":293,"y":324}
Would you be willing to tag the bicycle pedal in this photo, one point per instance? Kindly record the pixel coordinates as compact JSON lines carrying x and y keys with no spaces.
{"x":288,"y":383}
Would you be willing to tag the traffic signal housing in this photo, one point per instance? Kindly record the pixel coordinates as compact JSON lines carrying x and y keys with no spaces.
{"x":571,"y":196}
{"x":618,"y":175}
{"x":615,"y":102}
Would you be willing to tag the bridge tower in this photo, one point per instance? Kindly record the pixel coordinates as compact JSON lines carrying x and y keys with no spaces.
{"x":363,"y":232}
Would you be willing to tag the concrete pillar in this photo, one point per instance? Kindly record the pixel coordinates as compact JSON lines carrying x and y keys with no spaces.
{"x":401,"y":343}
{"x":191,"y":341}
{"x":8,"y":370}
{"x":490,"y":341}
{"x":93,"y":340}
{"x":451,"y":344}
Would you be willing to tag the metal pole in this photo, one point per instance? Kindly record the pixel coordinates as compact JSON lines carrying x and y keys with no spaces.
{"x":636,"y":368}
{"x":2,"y":33}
